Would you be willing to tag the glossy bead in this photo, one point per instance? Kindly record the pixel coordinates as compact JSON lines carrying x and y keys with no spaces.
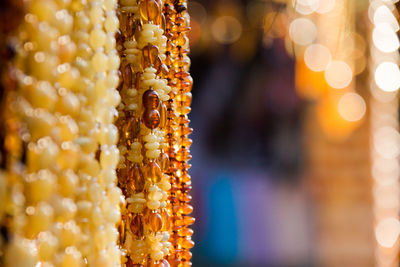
{"x":151,"y":118}
{"x":153,"y":172}
{"x":127,"y":75}
{"x":136,"y":225}
{"x":150,"y":99}
{"x":155,"y":222}
{"x":188,"y":220}
{"x":149,"y":10}
{"x":137,"y":176}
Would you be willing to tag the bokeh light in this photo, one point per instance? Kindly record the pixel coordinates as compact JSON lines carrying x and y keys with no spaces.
{"x":352,"y":107}
{"x":305,"y":7}
{"x":387,"y":232}
{"x":317,"y":57}
{"x":387,"y":76}
{"x":302,"y":31}
{"x":385,"y":39}
{"x":226,"y":29}
{"x":338,"y":74}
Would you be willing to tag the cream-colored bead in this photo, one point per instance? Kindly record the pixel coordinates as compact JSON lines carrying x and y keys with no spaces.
{"x":153,"y":154}
{"x":152,"y":146}
{"x":109,"y":156}
{"x":96,"y":15}
{"x":112,"y":23}
{"x":47,"y":245}
{"x":99,"y":62}
{"x":72,"y":258}
{"x":97,"y":38}
{"x":68,"y":182}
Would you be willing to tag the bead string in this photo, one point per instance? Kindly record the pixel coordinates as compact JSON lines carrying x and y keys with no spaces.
{"x":142,"y":170}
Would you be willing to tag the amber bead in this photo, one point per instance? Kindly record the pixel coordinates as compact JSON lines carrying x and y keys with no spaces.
{"x":166,"y":220}
{"x":185,"y":177}
{"x":155,"y":222}
{"x":185,"y":141}
{"x":126,"y":24}
{"x":186,"y":255}
{"x":184,"y":130}
{"x":132,"y":129}
{"x":127,"y":75}
{"x":164,"y":162}
{"x":186,"y":209}
{"x":185,"y":197}
{"x":183,"y":119}
{"x":138,"y":29}
{"x":137,"y":225}
{"x":178,"y":220}
{"x":184,"y":99}
{"x":153,"y":172}
{"x":164,"y":263}
{"x":138,"y":177}
{"x":163,"y":115}
{"x":188,"y":220}
{"x":173,"y":261}
{"x":130,"y":263}
{"x":138,"y":75}
{"x":185,"y":264}
{"x":150,"y":55}
{"x":183,"y":110}
{"x":186,"y":243}
{"x":185,"y":231}
{"x":150,"y":99}
{"x":151,"y":118}
{"x":149,"y":11}
{"x":183,"y":154}
{"x":122,"y":231}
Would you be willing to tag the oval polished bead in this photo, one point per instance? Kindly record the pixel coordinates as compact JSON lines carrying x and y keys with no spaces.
{"x":166,"y":220}
{"x":155,"y":222}
{"x":186,"y":243}
{"x":151,"y":118}
{"x":185,"y":231}
{"x":136,"y":225}
{"x":153,"y":172}
{"x":132,"y":128}
{"x":149,"y":10}
{"x":127,"y":75}
{"x":188,"y":220}
{"x":150,"y":54}
{"x":186,"y":209}
{"x":150,"y":99}
{"x":164,"y":162}
{"x":138,"y":177}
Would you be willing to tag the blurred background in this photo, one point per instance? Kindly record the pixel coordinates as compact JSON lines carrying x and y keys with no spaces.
{"x":296,"y":142}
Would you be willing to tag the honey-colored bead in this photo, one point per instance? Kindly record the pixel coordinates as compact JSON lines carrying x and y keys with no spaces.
{"x":186,"y":243}
{"x":164,"y":162}
{"x":127,"y":75}
{"x":153,"y":172}
{"x":155,"y":222}
{"x":132,"y":129}
{"x":188,"y":220}
{"x":149,"y":10}
{"x":137,"y":176}
{"x":151,"y":118}
{"x":150,"y":99}
{"x":186,"y":209}
{"x":136,"y":225}
{"x":185,"y":231}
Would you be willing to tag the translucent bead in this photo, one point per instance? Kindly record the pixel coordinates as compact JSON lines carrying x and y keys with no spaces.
{"x":186,"y":243}
{"x":132,"y":128}
{"x":150,"y":55}
{"x":188,"y":220}
{"x":151,"y":118}
{"x":153,"y":172}
{"x":136,"y":225}
{"x":149,"y":10}
{"x":163,"y":115}
{"x":154,"y":221}
{"x":127,"y":75}
{"x":150,"y":99}
{"x":185,"y":231}
{"x":137,"y":176}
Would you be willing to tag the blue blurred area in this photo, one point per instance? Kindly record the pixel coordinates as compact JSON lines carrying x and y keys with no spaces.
{"x":251,"y":207}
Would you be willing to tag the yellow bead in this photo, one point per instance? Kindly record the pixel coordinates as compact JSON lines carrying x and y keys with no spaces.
{"x":99,"y":62}
{"x":111,"y":24}
{"x":97,"y":38}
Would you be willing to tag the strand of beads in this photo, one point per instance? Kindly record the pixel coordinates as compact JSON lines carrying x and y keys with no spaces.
{"x":63,"y":202}
{"x":99,"y":197}
{"x":177,"y":26}
{"x":39,"y":231}
{"x":142,"y":170}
